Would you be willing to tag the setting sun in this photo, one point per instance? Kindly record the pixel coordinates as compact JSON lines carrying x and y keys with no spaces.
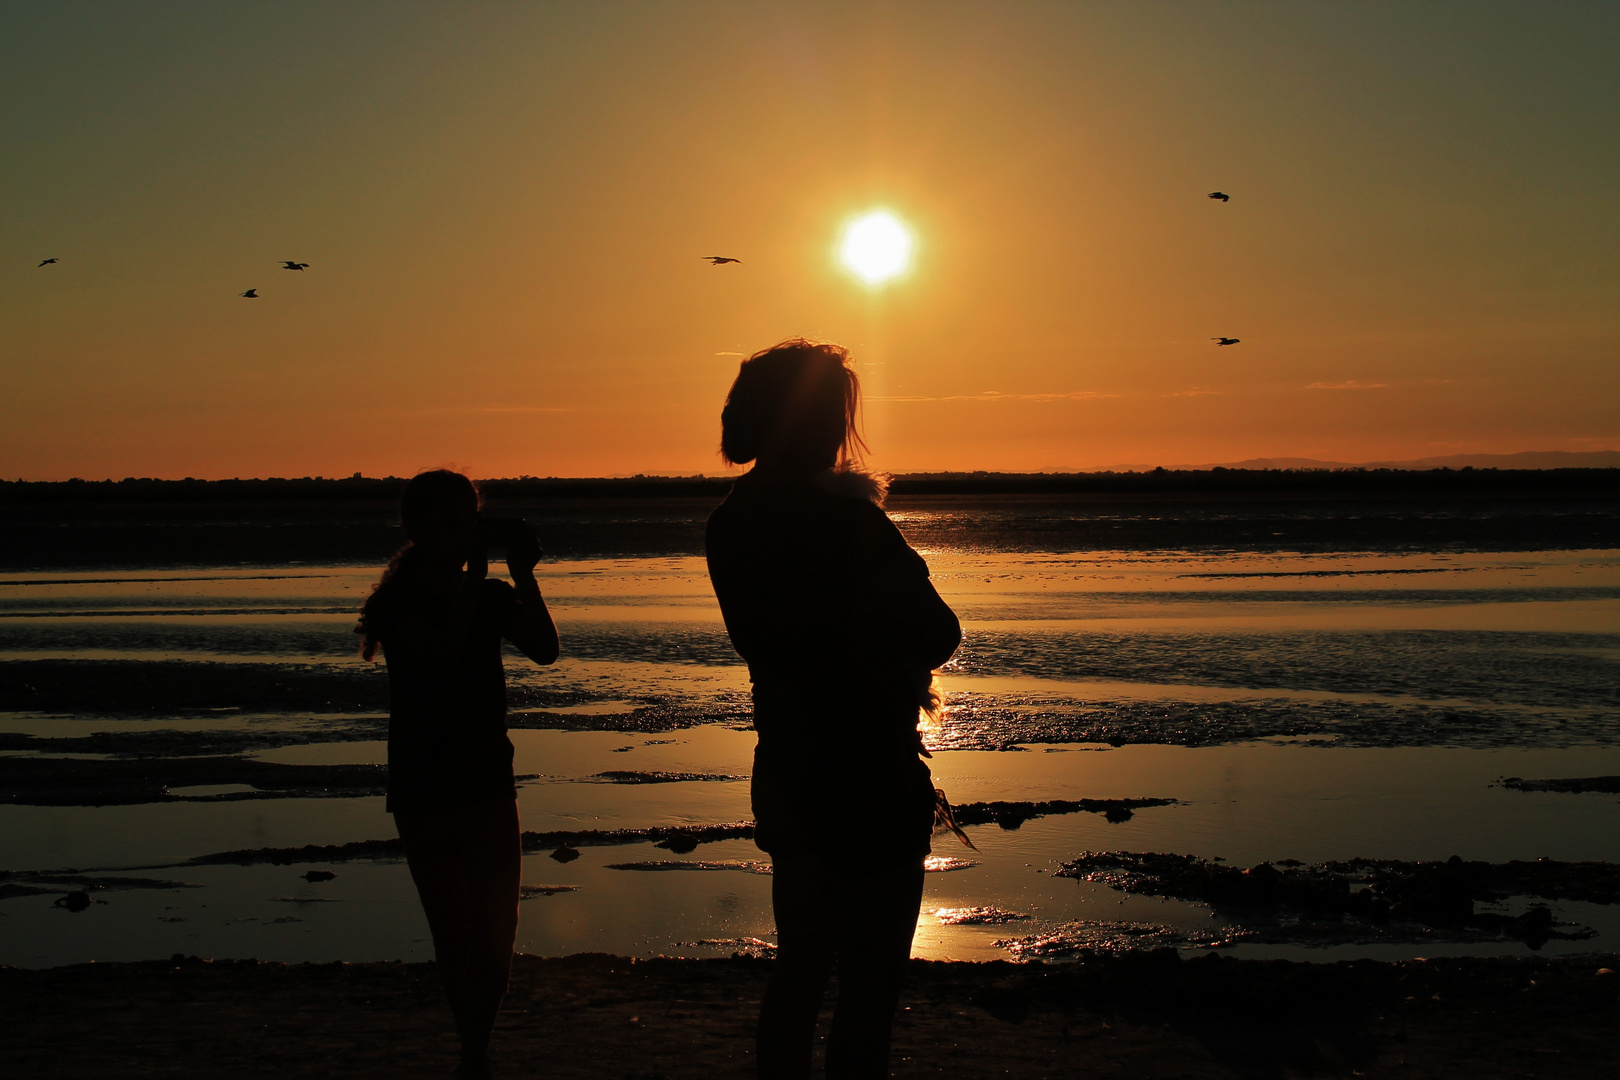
{"x":876,"y":247}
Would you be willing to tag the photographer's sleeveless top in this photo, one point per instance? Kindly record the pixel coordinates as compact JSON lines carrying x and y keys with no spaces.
{"x":447,"y":742}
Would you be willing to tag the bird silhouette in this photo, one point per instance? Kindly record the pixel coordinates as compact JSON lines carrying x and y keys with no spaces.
{"x":47,"y":262}
{"x":1219,"y":341}
{"x":718,"y":260}
{"x":252,"y":294}
{"x":1221,"y":195}
{"x":288,"y":264}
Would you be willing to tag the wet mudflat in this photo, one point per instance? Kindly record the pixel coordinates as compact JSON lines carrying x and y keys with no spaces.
{"x":1245,"y":804}
{"x":208,"y":729}
{"x":1150,"y":1014}
{"x":1359,"y":901}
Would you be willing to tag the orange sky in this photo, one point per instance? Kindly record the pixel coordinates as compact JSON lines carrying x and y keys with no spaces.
{"x":503,"y":209}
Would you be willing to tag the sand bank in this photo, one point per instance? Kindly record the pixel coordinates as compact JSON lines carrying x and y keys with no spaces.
{"x":1150,"y":1015}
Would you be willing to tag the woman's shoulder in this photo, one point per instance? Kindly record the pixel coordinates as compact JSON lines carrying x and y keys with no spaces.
{"x":851,"y":485}
{"x":841,"y":501}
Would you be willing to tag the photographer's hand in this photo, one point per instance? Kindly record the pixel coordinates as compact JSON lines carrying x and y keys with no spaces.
{"x":522,"y":553}
{"x":477,"y":563}
{"x":530,"y":627}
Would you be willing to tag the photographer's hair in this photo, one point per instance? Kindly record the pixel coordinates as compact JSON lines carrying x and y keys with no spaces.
{"x":795,"y":404}
{"x":426,"y":495}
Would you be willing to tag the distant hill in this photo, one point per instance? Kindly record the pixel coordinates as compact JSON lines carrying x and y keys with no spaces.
{"x":1530,"y":459}
{"x":1288,"y":463}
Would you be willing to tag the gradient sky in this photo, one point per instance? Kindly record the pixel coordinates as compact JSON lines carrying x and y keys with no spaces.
{"x":503,"y":207}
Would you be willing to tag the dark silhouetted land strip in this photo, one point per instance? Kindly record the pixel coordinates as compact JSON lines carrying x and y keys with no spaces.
{"x":280,"y":522}
{"x":1574,"y":785}
{"x":1364,"y":900}
{"x":597,"y":1016}
{"x":1288,"y":483}
{"x":64,"y":781}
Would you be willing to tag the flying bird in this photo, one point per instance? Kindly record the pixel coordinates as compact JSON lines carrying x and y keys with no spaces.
{"x":252,"y":294}
{"x":719,"y":260}
{"x":47,"y":262}
{"x":288,"y":264}
{"x":1219,"y":341}
{"x":1221,"y":195}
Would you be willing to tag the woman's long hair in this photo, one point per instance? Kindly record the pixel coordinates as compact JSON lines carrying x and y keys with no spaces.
{"x":426,"y":495}
{"x":795,"y":404}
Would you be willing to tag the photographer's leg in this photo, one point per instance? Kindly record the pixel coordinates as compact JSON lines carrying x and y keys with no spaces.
{"x":432,"y":852}
{"x":492,"y":854}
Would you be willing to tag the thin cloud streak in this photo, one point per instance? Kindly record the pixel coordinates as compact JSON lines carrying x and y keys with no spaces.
{"x":1350,"y":384}
{"x":512,"y":408}
{"x":991,"y":395}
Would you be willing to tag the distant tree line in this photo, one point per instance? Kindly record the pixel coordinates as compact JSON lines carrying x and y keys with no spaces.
{"x":1603,"y":484}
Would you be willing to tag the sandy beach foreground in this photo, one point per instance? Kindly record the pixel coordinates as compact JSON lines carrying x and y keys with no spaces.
{"x":1151,"y":1015}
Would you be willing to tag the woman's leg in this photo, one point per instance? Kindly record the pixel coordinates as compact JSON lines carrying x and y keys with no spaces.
{"x":806,"y":944}
{"x":877,"y":918}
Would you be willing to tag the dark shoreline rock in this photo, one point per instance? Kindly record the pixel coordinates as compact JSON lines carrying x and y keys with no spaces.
{"x":978,"y":916}
{"x":633,"y":776}
{"x":169,"y":742}
{"x":60,"y":781}
{"x":1363,"y":900}
{"x":677,"y":838}
{"x":529,"y":892}
{"x":1010,"y":815}
{"x":14,"y":884}
{"x":1607,"y":785}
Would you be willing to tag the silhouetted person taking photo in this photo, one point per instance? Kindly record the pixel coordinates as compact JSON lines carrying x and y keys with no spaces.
{"x":440,"y":619}
{"x":841,"y":629}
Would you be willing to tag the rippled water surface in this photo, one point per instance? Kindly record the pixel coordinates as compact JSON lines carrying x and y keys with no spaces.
{"x":1294,"y":706}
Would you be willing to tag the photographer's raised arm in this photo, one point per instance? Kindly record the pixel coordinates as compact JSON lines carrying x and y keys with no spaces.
{"x":529,"y":627}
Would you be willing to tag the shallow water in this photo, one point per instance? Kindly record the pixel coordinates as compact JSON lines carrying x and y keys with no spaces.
{"x":1306,"y":706}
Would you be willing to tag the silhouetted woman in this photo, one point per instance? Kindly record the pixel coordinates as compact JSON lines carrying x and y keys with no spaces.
{"x":440,"y":619}
{"x":841,"y":629}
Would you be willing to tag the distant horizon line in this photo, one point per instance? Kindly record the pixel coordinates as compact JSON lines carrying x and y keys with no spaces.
{"x":1527,"y":460}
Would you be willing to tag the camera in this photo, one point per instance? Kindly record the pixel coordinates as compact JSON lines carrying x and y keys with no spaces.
{"x":500,"y":533}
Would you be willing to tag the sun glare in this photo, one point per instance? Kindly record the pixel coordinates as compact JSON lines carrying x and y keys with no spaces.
{"x":876,"y":247}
